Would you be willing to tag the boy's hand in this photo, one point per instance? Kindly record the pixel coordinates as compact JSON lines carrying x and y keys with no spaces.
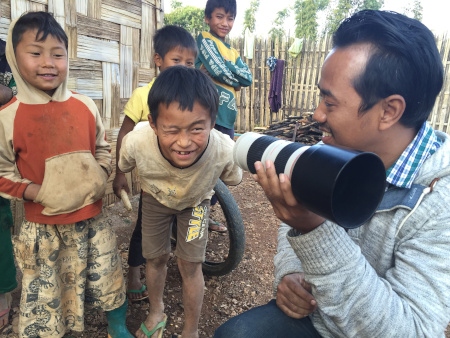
{"x":120,"y":182}
{"x":31,"y":191}
{"x":294,"y":296}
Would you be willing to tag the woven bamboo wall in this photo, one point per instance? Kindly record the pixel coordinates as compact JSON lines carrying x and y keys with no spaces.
{"x":301,"y":75}
{"x":110,"y":45}
{"x":110,"y":54}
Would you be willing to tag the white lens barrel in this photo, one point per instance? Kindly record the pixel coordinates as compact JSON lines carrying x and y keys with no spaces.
{"x":293,"y":160}
{"x":241,"y":148}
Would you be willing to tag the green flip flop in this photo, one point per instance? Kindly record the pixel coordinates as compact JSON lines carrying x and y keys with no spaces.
{"x":160,"y":326}
{"x":138,"y":291}
{"x":216,"y":226}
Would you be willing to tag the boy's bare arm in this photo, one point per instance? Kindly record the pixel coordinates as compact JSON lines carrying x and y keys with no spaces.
{"x":31,"y":192}
{"x":120,"y":181}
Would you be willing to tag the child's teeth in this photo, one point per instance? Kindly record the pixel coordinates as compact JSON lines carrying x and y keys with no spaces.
{"x":325,"y":134}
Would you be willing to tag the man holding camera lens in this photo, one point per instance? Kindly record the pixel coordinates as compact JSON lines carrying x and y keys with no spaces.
{"x":391,"y":276}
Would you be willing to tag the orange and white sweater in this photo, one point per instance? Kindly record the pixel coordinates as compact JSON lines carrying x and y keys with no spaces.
{"x":57,"y":142}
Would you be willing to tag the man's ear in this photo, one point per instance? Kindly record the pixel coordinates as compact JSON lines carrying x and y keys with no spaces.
{"x":393,"y":108}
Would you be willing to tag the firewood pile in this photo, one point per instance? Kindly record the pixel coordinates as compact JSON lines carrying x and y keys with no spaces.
{"x":304,"y":128}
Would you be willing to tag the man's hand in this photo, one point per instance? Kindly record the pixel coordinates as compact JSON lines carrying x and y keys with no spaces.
{"x":287,"y":209}
{"x":120,"y":182}
{"x":294,"y":296}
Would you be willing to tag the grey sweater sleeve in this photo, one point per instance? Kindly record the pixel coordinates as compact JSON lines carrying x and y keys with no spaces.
{"x":285,"y":260}
{"x":410,"y":300}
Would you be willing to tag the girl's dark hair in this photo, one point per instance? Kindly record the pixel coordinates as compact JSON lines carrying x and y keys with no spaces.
{"x":185,"y":86}
{"x":43,"y":22}
{"x":404,"y":60}
{"x":228,"y":5}
{"x":170,"y":37}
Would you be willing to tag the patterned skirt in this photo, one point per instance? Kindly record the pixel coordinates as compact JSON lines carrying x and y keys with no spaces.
{"x":66,"y":267}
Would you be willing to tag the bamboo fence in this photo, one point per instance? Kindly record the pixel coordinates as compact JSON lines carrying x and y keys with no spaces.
{"x":301,"y":75}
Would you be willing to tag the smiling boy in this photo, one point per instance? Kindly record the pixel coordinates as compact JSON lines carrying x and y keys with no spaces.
{"x":222,"y":62}
{"x":173,"y":46}
{"x":179,"y":157}
{"x":54,"y":157}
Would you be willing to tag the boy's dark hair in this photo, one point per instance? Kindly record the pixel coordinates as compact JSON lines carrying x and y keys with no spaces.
{"x":185,"y":86}
{"x":228,"y":5}
{"x":170,"y":37}
{"x":43,"y":22}
{"x":404,"y":60}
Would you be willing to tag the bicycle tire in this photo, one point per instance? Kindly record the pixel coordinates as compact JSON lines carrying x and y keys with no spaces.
{"x":236,"y":233}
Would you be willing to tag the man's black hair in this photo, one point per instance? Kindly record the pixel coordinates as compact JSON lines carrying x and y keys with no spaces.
{"x":43,"y":22}
{"x":228,"y":5}
{"x":185,"y":86}
{"x":170,"y":37}
{"x":404,"y":60}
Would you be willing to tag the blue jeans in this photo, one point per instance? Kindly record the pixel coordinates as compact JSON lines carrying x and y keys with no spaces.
{"x":266,"y":321}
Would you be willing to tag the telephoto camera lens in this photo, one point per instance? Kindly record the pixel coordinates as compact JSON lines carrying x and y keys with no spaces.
{"x":342,"y":185}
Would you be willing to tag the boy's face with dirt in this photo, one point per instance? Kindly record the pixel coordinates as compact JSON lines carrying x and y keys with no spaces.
{"x":43,"y":64}
{"x":182,"y":134}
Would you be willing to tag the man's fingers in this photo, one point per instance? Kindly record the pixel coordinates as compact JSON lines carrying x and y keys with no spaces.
{"x":267,"y":178}
{"x":286,"y":189}
{"x":291,"y":309}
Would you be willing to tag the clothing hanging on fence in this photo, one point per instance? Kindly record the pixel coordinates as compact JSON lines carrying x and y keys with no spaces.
{"x":249,"y":42}
{"x":276,"y":84}
{"x":271,"y":62}
{"x":296,"y":47}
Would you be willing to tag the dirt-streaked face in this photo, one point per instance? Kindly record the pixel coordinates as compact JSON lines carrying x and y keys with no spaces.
{"x":176,"y":57}
{"x":43,"y":64}
{"x":337,"y":112}
{"x":220,"y":23}
{"x":182,"y":134}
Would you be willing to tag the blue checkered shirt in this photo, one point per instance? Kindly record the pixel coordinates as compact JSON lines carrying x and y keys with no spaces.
{"x":405,"y":169}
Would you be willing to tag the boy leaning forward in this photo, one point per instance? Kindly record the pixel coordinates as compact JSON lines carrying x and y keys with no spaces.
{"x":179,"y":157}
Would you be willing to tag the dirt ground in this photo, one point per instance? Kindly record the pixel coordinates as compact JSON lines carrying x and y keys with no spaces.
{"x":249,"y":285}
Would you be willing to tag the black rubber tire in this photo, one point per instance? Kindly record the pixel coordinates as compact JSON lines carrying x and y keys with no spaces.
{"x":236,"y":233}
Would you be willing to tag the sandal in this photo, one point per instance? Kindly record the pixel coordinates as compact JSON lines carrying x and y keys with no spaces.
{"x":216,"y":226}
{"x":138,"y":291}
{"x":160,"y":326}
